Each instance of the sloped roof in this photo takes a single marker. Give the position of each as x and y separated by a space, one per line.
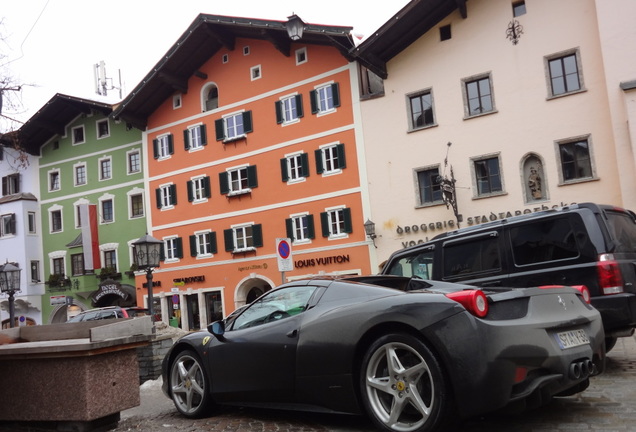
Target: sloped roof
52 118
404 28
204 37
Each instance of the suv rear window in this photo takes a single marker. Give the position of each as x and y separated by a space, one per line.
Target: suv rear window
543 241
419 264
470 257
623 230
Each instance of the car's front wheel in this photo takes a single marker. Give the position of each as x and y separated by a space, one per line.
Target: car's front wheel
189 385
403 387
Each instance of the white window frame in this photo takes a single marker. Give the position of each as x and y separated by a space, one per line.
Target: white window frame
327 154
99 167
195 136
76 205
590 149
32 223
295 174
478 77
287 110
240 232
201 244
76 167
299 54
97 123
333 216
170 251
10 217
128 164
102 200
60 254
109 247
133 193
198 189
476 193
177 101
53 209
296 218
163 146
323 98
226 127
166 197
73 129
256 72
56 172
242 174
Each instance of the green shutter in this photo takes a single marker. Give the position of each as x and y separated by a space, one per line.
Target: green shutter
324 222
219 127
155 148
319 165
213 247
313 101
162 252
206 187
304 160
278 107
224 182
299 106
228 235
247 122
289 228
193 246
190 194
257 235
173 193
170 144
311 230
335 92
158 195
283 169
179 243
340 151
186 139
348 226
204 137
252 180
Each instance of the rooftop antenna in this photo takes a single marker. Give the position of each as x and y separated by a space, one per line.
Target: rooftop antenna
102 82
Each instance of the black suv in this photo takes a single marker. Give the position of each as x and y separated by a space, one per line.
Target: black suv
107 312
582 244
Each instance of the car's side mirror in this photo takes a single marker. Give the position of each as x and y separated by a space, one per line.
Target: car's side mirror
217 328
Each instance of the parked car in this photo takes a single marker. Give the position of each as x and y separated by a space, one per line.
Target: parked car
585 244
413 355
99 314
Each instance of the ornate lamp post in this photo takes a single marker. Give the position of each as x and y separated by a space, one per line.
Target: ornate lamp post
9 284
369 229
295 27
147 252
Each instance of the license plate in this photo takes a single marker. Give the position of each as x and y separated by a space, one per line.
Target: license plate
572 338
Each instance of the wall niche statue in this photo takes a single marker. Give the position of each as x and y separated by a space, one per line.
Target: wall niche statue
535 185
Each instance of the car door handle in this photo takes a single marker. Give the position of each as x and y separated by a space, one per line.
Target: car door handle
292 334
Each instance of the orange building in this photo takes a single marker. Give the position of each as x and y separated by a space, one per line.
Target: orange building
250 137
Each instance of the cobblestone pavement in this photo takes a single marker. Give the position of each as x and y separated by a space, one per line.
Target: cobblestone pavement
608 405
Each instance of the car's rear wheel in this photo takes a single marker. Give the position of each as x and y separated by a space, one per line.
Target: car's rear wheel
403 387
190 386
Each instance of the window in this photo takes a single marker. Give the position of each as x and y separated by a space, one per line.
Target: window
576 161
212 97
54 180
330 159
225 58
77 264
103 129
58 266
176 101
295 168
289 109
199 189
487 176
173 248
237 181
478 97
134 162
203 244
77 135
246 50
518 8
80 175
32 223
35 271
563 73
466 259
136 205
194 137
543 241
166 196
300 228
107 211
105 169
421 109
325 99
255 72
163 146
7 225
243 238
234 126
11 184
56 220
429 186
445 32
110 259
301 56
336 222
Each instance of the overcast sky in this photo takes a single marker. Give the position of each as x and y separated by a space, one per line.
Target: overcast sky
51 46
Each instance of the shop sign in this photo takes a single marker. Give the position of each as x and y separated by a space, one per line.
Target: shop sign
57 300
188 280
106 289
313 262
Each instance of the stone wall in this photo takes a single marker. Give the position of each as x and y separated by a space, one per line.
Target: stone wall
151 356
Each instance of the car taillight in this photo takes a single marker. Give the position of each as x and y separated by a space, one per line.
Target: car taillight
585 292
609 274
474 301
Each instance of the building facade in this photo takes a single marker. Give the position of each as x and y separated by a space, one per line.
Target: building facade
253 139
491 109
92 205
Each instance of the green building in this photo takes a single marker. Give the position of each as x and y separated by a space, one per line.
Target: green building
86 158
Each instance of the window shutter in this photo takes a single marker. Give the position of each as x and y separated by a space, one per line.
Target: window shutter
224 182
5 185
313 101
213 247
179 246
228 235
252 180
190 193
186 139
247 122
289 228
155 148
342 161
324 222
257 235
12 227
311 230
193 246
219 127
158 195
206 187
173 194
335 91
304 160
319 165
278 107
283 170
162 252
348 226
170 144
299 106
204 137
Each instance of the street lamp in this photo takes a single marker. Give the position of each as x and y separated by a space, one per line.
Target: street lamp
295 27
369 229
9 284
146 252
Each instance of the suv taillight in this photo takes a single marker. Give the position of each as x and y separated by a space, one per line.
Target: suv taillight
609 274
474 301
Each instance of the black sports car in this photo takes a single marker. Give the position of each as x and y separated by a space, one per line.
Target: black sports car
413 355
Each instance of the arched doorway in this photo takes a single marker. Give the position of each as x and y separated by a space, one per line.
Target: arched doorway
250 288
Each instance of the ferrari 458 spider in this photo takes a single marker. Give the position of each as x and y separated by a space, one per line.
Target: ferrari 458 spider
413 355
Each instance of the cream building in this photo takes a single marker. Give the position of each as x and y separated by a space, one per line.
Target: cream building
528 105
